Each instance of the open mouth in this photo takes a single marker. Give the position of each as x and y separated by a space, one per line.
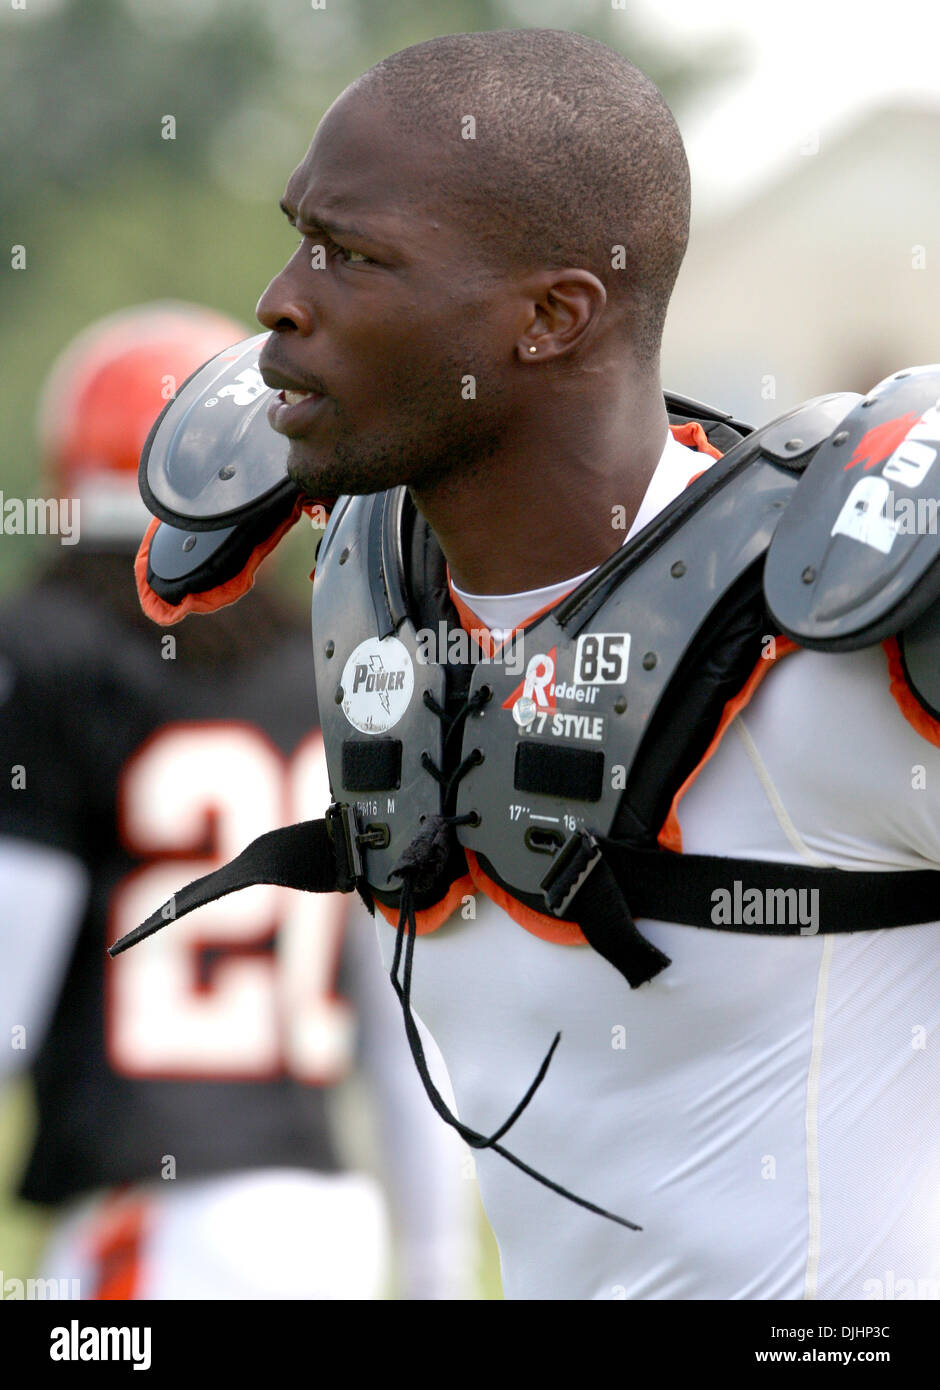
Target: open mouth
292 412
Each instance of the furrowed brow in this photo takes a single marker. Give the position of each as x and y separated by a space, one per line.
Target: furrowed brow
320 224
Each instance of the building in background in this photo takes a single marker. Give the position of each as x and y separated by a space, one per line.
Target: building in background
826 280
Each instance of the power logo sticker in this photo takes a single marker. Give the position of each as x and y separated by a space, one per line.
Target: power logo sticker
378 683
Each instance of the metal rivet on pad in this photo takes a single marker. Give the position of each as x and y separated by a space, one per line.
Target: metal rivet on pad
620 705
189 542
344 555
678 569
649 661
330 648
793 445
524 711
841 437
226 471
338 697
808 575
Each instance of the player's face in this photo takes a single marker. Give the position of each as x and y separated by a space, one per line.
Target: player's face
379 317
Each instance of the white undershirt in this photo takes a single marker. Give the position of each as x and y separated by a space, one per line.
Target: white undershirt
503 612
767 1108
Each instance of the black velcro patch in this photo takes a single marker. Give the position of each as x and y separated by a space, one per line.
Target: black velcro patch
372 767
557 771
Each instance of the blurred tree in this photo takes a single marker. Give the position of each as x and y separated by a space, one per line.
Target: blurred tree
112 212
86 90
88 87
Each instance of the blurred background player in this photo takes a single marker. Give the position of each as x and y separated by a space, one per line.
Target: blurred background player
187 1130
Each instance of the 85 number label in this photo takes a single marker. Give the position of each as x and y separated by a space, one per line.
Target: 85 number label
601 658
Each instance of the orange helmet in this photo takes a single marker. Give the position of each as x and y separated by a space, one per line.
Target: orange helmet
103 394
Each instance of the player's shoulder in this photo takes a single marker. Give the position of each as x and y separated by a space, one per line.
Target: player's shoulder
846 717
840 755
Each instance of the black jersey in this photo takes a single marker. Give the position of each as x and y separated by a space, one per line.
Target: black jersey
152 756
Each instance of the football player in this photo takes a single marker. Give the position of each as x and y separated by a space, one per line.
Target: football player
473 360
188 1138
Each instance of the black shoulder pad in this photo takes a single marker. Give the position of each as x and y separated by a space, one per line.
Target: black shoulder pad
212 458
182 562
920 653
856 556
721 429
176 557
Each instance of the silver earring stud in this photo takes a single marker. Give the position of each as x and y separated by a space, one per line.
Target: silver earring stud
533 348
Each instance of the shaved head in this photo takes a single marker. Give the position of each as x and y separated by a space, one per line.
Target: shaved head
572 158
490 228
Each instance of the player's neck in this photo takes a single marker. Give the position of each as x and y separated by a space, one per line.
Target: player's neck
553 502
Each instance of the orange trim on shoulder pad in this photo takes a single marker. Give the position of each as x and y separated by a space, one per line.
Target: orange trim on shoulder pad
209 600
430 918
481 634
693 436
908 703
670 837
554 929
154 607
316 509
471 623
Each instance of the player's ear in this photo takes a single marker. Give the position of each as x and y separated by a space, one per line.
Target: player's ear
566 306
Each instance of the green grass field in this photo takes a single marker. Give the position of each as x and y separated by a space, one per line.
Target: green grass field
23 1227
